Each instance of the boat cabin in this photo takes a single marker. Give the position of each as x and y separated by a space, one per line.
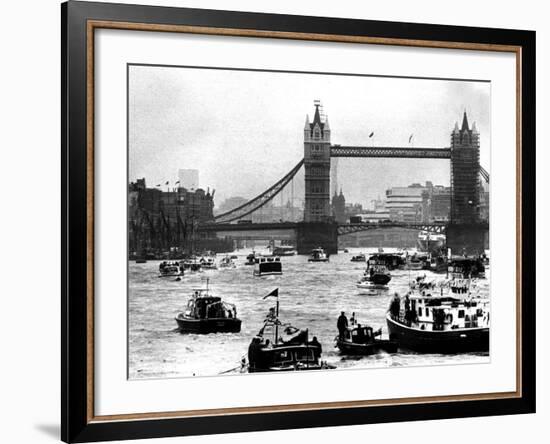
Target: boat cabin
268 266
359 334
441 313
204 306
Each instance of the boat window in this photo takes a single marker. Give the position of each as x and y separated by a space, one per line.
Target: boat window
460 313
427 311
419 311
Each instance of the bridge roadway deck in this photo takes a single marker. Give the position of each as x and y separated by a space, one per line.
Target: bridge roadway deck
386 151
342 228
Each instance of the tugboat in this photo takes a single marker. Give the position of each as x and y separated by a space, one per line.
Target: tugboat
279 355
359 258
363 340
208 314
450 322
170 269
318 255
268 266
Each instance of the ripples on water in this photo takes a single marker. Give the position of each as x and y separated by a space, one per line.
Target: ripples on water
311 295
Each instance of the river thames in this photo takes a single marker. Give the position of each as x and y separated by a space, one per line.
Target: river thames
311 296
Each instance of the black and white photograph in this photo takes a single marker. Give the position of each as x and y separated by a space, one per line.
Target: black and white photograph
297 221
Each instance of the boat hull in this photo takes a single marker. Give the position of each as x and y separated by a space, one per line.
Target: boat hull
383 345
451 341
212 325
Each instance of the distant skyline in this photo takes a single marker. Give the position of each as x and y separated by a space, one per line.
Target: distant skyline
243 130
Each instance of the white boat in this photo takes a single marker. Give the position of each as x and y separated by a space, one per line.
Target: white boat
170 269
284 250
268 266
208 263
369 288
227 262
318 255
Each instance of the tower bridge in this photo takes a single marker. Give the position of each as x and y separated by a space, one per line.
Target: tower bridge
464 231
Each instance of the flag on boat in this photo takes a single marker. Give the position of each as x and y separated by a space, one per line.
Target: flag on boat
274 293
371 134
411 137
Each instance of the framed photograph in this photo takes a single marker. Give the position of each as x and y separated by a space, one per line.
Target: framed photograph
275 221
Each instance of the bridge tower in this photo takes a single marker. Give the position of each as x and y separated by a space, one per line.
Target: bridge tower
318 228
317 168
465 233
465 173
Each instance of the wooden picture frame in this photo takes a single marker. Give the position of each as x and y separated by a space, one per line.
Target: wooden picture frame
79 22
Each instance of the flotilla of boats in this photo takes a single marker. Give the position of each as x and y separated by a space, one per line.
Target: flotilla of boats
436 315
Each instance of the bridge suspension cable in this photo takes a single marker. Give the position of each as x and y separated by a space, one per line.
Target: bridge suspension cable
260 200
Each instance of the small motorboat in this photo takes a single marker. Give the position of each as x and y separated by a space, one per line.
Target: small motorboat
296 353
318 255
369 288
268 266
284 250
363 340
251 259
208 263
417 262
191 264
170 269
141 261
359 258
227 262
376 273
468 267
205 313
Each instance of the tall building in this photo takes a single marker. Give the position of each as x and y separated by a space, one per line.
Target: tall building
317 168
465 173
334 185
405 204
339 207
189 179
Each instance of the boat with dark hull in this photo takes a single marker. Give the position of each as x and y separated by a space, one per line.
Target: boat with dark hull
205 313
296 353
359 258
251 259
446 341
376 274
444 318
269 266
468 267
363 340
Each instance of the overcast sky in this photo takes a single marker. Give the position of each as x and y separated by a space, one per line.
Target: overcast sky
243 130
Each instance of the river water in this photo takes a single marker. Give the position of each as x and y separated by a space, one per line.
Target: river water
311 295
